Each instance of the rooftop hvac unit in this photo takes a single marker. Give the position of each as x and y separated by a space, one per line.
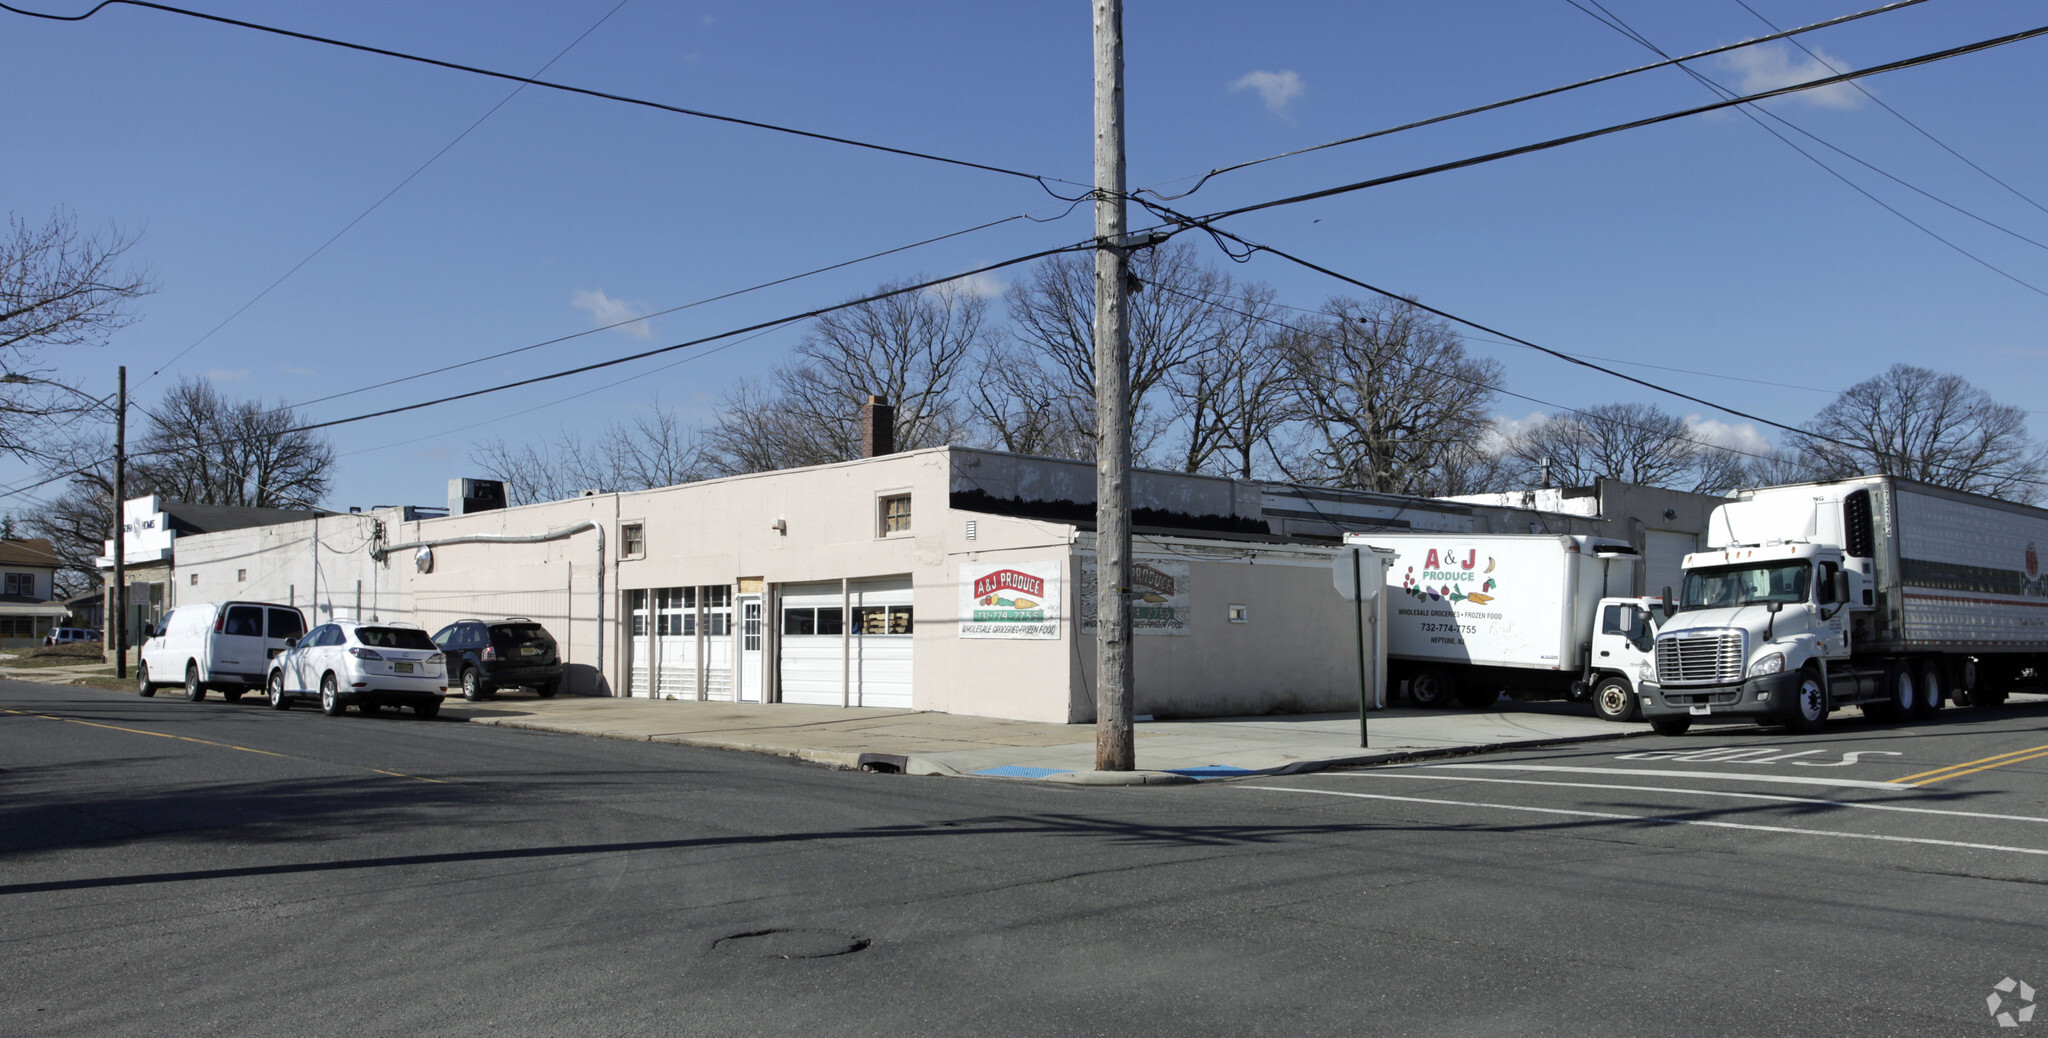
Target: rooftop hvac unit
475 495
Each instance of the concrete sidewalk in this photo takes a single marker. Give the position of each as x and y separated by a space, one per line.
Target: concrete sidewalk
923 743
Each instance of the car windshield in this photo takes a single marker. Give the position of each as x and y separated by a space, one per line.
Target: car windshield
394 638
1743 585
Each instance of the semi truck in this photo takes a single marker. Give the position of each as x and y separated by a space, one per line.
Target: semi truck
1876 592
1541 616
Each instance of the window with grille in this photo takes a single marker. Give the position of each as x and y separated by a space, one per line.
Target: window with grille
895 514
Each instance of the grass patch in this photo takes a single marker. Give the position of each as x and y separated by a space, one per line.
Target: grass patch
69 654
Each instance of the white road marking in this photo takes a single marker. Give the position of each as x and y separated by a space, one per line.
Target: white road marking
1778 798
1660 820
1796 780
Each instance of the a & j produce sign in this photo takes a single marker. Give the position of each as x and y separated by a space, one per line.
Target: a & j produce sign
1010 600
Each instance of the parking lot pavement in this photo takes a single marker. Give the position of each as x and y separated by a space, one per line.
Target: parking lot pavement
925 743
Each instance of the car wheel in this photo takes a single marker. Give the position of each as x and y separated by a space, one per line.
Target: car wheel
1928 702
142 686
426 711
330 697
1810 703
195 689
1614 700
472 685
547 689
1671 725
278 700
1432 689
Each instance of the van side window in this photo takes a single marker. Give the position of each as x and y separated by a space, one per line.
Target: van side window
286 623
244 620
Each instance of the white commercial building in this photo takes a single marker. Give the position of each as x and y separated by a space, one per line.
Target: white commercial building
946 579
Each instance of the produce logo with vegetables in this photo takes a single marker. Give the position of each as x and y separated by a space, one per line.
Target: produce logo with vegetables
2034 585
1452 575
1010 600
1151 587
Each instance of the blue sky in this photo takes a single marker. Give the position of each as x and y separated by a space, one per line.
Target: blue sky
1703 245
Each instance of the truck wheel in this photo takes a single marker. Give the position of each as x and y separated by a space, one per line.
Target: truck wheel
1432 689
1928 703
142 686
1905 694
1810 703
1614 700
195 689
1671 725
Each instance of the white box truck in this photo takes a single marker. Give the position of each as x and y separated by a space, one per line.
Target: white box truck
1543 616
1877 592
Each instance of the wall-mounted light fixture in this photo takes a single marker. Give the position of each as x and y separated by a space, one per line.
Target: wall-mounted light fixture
780 526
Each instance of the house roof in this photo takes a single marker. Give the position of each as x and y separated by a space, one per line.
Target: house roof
28 551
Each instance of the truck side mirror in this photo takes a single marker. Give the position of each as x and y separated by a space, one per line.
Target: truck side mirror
1841 587
1668 610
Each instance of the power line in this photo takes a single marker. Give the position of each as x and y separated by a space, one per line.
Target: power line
1433 120
1041 180
1752 113
1901 116
1558 142
502 102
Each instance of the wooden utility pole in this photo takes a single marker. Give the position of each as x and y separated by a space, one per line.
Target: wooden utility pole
1114 743
121 525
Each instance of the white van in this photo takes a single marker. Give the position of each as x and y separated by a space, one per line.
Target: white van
223 645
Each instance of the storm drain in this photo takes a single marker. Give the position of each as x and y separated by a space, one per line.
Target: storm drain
791 944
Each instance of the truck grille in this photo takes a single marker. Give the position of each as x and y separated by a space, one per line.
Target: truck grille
1707 658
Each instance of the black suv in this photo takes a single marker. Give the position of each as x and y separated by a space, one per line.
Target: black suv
487 655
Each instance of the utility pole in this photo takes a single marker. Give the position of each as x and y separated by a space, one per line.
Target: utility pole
1115 748
121 525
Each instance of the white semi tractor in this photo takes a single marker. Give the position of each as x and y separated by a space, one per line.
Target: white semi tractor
1876 592
1542 616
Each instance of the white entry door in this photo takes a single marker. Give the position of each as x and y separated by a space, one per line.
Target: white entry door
750 649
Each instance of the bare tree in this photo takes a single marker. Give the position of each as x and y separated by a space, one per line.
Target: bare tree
1177 314
1932 427
1233 397
203 448
1634 443
61 287
1385 398
913 349
653 449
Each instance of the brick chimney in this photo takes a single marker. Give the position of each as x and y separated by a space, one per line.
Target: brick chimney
877 428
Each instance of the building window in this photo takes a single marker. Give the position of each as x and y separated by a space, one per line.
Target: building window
881 619
632 540
822 620
21 584
195 580
241 575
895 514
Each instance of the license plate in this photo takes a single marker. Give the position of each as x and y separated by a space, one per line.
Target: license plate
529 650
1701 710
406 668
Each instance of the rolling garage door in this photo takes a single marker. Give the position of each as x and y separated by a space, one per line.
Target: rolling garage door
822 647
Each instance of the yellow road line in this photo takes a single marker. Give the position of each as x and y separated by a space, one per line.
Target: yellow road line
1957 769
206 742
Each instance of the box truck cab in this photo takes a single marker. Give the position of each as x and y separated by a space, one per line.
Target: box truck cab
1540 616
1877 592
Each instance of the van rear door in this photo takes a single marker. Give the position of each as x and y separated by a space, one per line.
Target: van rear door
238 647
285 624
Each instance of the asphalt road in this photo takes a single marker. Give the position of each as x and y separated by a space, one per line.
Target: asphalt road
169 868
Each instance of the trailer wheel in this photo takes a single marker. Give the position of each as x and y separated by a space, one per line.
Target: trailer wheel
1432 689
1810 705
1928 702
1614 700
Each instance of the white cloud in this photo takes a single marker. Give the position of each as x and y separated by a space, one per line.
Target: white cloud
1506 428
1743 437
1275 88
984 285
289 370
227 374
606 311
1773 65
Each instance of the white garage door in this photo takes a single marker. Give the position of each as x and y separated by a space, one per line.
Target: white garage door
1664 553
815 641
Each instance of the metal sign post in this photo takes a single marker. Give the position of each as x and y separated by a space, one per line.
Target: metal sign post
1348 574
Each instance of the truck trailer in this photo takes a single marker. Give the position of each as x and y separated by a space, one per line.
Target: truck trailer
1542 616
1877 592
